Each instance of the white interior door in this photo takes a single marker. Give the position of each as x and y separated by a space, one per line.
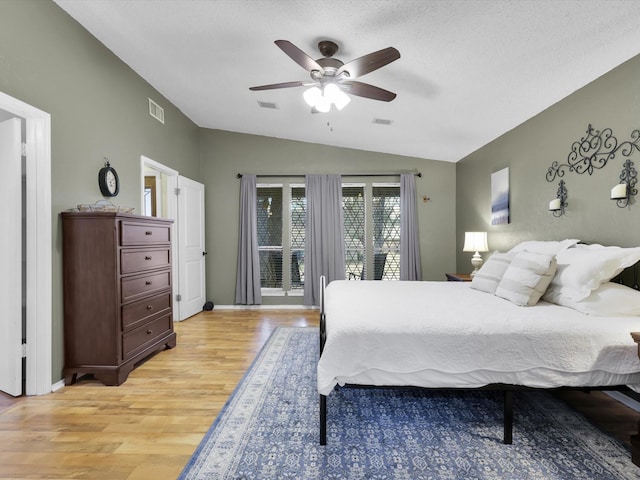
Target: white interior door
11 257
191 253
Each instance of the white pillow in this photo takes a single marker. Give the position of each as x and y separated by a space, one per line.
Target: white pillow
584 268
491 272
611 299
527 278
548 247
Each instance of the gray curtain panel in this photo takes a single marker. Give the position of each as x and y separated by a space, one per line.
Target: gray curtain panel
248 271
410 265
324 238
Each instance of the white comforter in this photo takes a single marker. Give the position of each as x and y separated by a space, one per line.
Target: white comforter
447 335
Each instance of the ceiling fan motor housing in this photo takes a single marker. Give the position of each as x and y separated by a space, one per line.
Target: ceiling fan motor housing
327 48
329 65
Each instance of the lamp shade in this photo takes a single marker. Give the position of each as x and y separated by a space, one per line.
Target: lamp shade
475 242
336 96
323 104
312 95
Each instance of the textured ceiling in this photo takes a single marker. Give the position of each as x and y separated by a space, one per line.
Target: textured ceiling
470 70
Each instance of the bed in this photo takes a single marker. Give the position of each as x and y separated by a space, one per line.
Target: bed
570 329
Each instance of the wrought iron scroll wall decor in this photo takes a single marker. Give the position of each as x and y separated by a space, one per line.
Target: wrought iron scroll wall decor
593 151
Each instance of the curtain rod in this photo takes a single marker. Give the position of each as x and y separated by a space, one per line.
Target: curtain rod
417 174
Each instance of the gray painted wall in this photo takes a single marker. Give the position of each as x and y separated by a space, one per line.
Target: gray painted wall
612 101
98 108
225 154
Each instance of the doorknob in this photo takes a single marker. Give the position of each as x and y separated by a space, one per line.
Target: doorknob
204 253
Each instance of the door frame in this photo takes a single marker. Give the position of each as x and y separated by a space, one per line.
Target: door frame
172 213
38 244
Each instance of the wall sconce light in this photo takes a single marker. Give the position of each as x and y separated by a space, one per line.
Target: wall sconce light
558 204
622 192
475 242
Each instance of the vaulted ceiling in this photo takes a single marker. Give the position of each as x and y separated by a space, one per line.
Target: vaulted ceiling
470 70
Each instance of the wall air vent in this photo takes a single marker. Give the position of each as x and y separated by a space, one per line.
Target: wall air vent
382 121
156 111
271 105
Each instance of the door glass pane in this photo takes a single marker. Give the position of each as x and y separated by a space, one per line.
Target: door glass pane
354 231
269 212
298 222
386 233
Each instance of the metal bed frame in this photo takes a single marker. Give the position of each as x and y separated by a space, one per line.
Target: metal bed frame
628 277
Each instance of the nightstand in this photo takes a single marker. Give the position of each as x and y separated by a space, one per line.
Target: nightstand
458 277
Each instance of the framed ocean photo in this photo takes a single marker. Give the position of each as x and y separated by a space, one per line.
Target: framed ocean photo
500 197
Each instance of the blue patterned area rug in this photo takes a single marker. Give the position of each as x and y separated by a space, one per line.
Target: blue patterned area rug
269 430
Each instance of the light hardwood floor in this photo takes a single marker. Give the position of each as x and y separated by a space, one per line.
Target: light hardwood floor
148 427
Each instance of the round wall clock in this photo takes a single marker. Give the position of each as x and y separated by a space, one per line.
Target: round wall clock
108 181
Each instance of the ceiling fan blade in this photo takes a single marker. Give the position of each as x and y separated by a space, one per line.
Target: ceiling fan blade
369 91
298 56
368 63
279 85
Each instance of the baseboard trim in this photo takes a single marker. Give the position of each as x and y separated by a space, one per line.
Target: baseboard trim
264 307
57 386
624 399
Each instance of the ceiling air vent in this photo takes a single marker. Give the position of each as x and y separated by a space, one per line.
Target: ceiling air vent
271 105
382 121
156 111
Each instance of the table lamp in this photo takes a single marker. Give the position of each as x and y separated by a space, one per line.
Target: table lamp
475 242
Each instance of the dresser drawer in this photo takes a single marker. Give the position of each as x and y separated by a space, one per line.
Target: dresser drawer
139 338
142 285
136 313
144 234
139 260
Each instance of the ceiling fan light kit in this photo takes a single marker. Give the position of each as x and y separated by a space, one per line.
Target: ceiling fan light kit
321 100
331 77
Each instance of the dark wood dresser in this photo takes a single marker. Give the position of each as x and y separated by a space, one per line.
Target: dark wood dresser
117 293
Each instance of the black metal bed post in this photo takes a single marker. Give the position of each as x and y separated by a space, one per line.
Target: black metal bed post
323 420
323 337
508 417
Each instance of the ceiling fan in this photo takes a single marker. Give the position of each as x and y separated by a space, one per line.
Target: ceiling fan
331 78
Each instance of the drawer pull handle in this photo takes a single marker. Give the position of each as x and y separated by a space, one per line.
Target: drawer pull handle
149 332
149 307
148 232
148 282
148 257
